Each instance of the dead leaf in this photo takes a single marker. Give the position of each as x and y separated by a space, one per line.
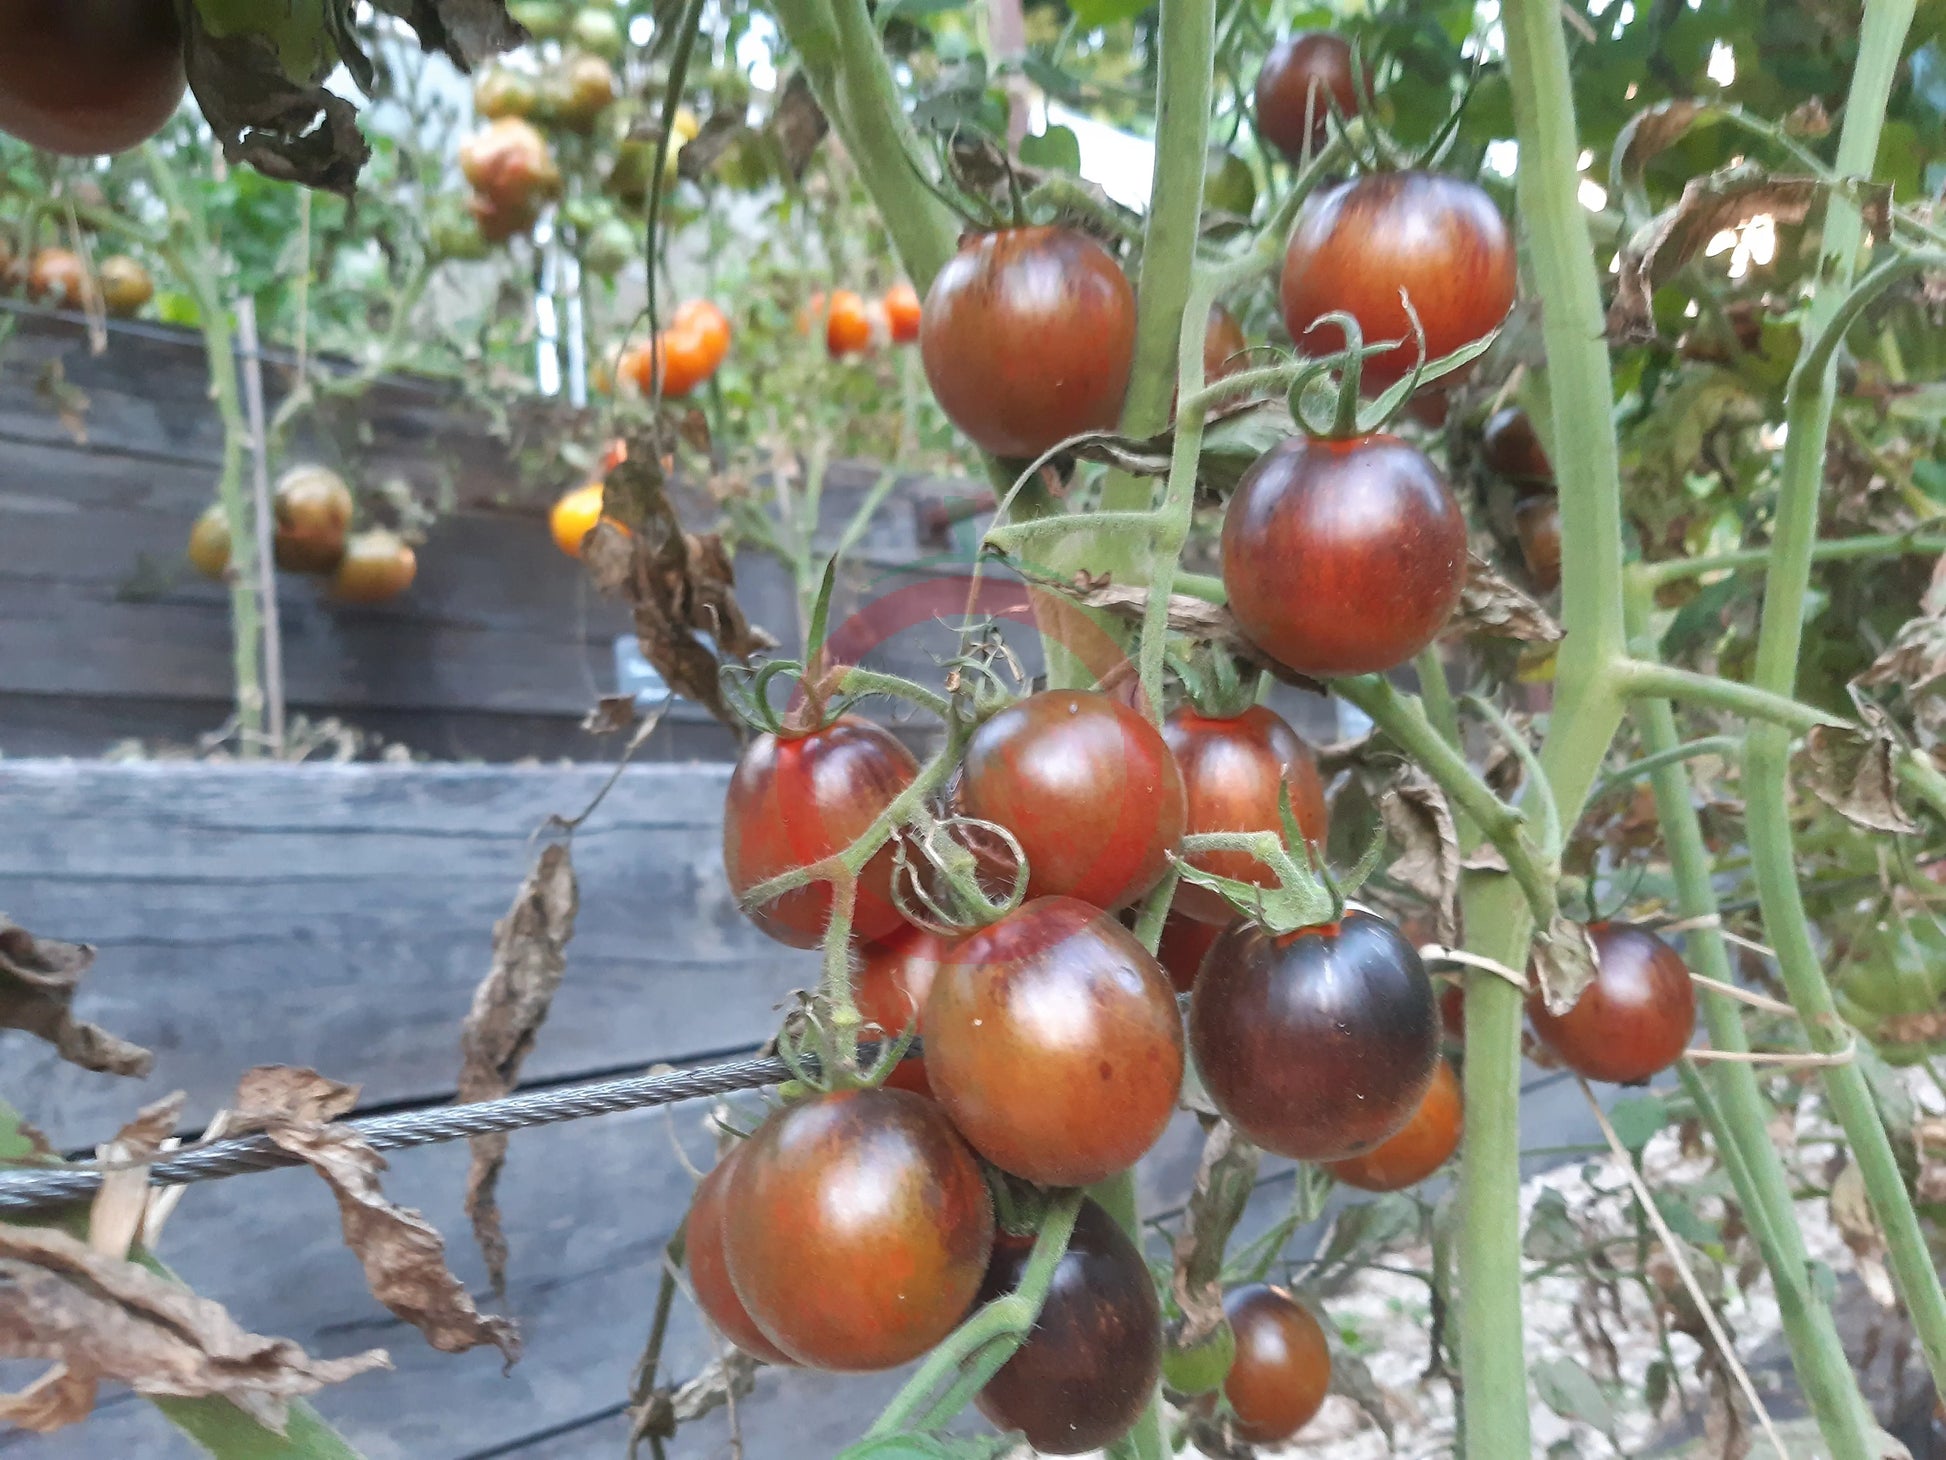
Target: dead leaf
38 981
466 32
122 1201
1649 133
1808 119
291 130
1485 858
1225 1177
1929 1145
798 123
1352 1378
104 1318
720 130
1564 963
723 1380
403 1256
1916 657
509 1007
1851 1213
1489 604
1722 200
611 715
1852 769
1420 824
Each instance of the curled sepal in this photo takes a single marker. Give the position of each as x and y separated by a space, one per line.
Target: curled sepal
1215 683
962 901
1307 893
810 1047
1423 372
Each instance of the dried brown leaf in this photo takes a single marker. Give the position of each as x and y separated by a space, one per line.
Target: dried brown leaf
403 1255
611 715
1225 1177
798 123
723 1380
1489 604
1709 205
1420 825
104 1318
509 1007
466 32
122 1201
38 980
294 131
1352 1378
1853 770
1808 119
1649 133
1851 1213
1916 657
1564 963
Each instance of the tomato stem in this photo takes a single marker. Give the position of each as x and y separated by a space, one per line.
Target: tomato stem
1673 570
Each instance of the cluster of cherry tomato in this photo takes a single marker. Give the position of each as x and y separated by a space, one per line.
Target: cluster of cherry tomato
685 353
58 277
855 325
312 535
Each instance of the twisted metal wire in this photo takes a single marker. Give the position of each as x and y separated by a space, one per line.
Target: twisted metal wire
29 1190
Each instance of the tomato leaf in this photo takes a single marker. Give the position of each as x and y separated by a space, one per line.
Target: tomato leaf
1056 148
1225 1177
1490 605
1636 1118
1098 13
1852 770
1571 1392
1552 1234
38 981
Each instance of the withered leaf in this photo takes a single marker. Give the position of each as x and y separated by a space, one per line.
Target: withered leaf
1852 769
104 1318
466 32
1225 1177
1648 134
1808 119
700 153
1489 604
1916 657
38 981
611 715
292 130
403 1255
798 123
122 1200
1352 1377
1420 825
721 1381
509 1007
1929 1145
1722 200
1564 963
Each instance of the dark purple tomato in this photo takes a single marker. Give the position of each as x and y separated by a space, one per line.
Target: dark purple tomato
859 1229
1343 557
1317 1044
709 1272
795 800
1282 1370
84 77
1302 78
1233 772
1053 1041
1358 243
1085 1374
1088 788
1537 520
1637 1017
1028 338
1512 448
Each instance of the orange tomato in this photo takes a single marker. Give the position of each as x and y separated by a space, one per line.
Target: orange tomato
59 278
848 327
711 324
575 516
902 312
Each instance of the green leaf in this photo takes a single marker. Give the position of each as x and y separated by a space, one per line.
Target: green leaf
1095 14
1370 1226
1571 1392
1638 1117
1552 1235
1686 1222
1057 147
930 1447
914 10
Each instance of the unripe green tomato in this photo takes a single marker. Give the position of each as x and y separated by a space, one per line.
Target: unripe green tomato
598 31
1228 184
546 20
452 234
1202 1367
610 248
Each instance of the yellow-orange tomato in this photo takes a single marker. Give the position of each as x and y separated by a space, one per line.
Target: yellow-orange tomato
575 516
1421 1148
702 318
847 326
902 313
209 542
680 356
125 285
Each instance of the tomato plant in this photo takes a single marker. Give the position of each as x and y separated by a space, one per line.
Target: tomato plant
1634 1020
1282 1369
870 1201
89 76
1052 1040
1086 1372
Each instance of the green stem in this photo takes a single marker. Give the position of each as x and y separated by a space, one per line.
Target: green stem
1117 1196
1731 1099
1808 407
1837 549
1676 754
1436 694
197 266
1642 679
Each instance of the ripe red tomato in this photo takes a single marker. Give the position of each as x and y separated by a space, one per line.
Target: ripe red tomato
85 77
377 565
58 279
1302 77
686 354
1086 1372
1537 520
795 800
1184 943
1634 1020
498 222
313 508
859 1229
1028 338
1358 243
1088 788
1426 1142
1282 1370
709 1270
902 312
894 977
847 327
1512 448
1232 774
1223 345
1343 557
510 165
1052 1039
1317 1044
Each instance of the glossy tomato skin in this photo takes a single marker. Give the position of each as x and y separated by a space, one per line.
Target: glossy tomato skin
377 565
1288 114
1426 1142
1223 345
1358 243
1317 1044
1282 1370
894 978
847 327
1634 1021
902 313
1537 520
1052 1039
125 285
1343 557
711 326
1087 1370
1028 338
709 1268
1233 772
860 1229
84 77
574 516
1088 788
1185 942
1512 448
797 800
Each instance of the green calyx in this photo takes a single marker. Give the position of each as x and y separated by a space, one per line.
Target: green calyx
1307 894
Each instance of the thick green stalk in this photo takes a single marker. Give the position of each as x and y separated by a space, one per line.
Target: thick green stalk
1808 406
1642 678
1733 1103
1586 714
1831 550
1117 1196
